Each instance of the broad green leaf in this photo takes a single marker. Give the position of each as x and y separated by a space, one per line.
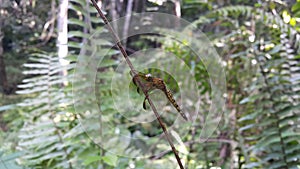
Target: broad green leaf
110 160
91 159
7 107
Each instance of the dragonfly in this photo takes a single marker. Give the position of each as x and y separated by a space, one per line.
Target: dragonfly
151 83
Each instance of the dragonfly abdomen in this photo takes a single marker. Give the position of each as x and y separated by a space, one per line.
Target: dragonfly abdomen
172 100
174 103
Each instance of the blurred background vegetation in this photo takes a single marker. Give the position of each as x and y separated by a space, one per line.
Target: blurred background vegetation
258 41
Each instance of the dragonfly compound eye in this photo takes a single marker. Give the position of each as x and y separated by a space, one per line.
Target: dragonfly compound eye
149 77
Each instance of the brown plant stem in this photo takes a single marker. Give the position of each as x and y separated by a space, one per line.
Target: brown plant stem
116 38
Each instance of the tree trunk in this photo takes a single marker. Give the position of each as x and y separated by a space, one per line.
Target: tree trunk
127 21
3 77
177 12
62 39
139 6
113 14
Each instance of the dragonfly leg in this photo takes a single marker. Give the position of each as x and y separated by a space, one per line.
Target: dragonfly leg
145 99
144 103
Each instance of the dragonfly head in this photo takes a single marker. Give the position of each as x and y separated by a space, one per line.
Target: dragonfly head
148 77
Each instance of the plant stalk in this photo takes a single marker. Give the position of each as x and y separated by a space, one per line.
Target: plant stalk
123 51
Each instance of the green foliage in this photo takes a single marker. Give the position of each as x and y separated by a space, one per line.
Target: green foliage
268 89
21 24
9 160
52 136
261 128
42 136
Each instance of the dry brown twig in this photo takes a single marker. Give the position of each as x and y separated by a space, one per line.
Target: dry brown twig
123 51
